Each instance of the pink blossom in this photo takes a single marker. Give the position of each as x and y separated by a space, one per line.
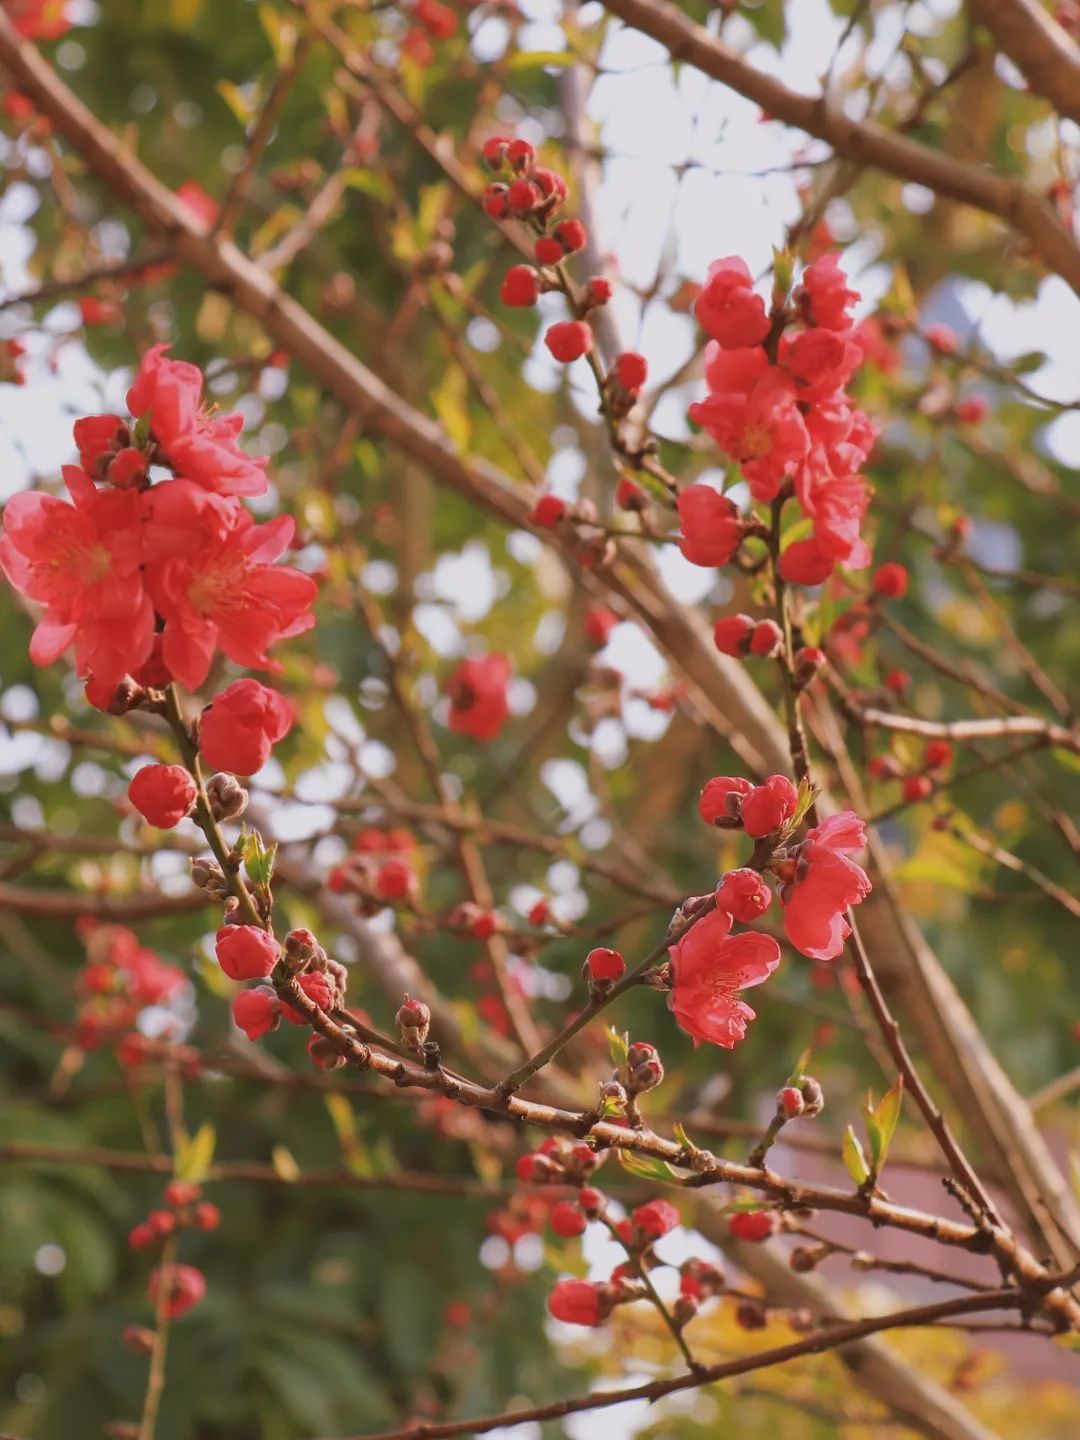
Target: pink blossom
708 968
827 881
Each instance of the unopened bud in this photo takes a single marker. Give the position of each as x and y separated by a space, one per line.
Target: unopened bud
612 1092
591 1201
790 1103
301 947
414 1021
208 875
750 1315
805 1258
227 798
644 1070
813 1096
323 1053
138 1339
684 1310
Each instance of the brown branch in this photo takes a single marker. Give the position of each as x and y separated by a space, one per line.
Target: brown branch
1039 48
864 142
71 904
818 1343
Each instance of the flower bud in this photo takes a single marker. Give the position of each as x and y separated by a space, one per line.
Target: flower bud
567 1220
805 1258
790 1103
602 968
813 1096
684 1310
414 1022
301 947
323 1053
226 797
207 874
750 1315
592 1201
179 1193
138 1339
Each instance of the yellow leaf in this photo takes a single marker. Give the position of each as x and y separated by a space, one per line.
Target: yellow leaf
194 1153
285 1166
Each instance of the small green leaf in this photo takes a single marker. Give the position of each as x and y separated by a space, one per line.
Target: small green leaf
258 860
540 59
884 1119
801 1067
644 1167
618 1048
194 1153
237 101
679 1131
854 1158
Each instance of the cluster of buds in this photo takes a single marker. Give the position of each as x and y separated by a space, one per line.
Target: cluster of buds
432 20
186 1210
247 953
533 195
805 1098
110 453
733 803
699 1280
380 871
740 636
558 1162
120 979
644 1069
916 785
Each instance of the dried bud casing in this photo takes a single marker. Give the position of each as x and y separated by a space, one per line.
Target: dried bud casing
226 797
414 1021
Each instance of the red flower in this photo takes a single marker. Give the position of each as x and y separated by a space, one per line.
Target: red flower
210 576
631 370
317 987
163 794
548 511
972 409
82 563
394 880
708 968
761 428
569 340
183 1286
715 804
768 806
890 581
38 19
604 964
827 882
767 638
239 727
576 1302
477 691
255 1012
567 1220
727 307
937 755
572 234
521 286
731 635
753 1225
548 250
826 294
599 623
822 361
203 206
199 446
245 952
805 563
656 1219
711 526
744 894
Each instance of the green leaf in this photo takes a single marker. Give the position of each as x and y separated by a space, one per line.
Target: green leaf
882 1122
801 1067
618 1048
195 1153
258 860
855 1158
644 1166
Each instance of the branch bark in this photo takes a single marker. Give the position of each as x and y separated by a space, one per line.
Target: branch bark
1039 48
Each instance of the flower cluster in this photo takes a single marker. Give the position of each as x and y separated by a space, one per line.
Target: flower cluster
120 979
247 952
39 19
777 406
149 581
